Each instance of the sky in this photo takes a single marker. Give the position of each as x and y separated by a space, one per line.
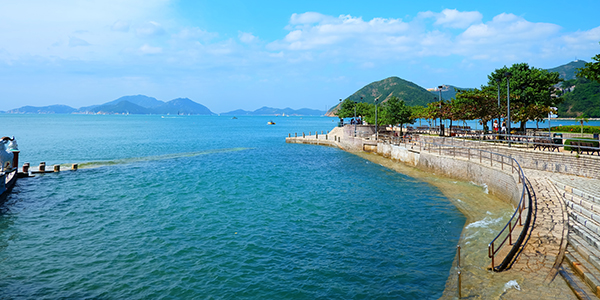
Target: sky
233 54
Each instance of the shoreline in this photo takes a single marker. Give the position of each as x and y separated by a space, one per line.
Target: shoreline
485 215
453 177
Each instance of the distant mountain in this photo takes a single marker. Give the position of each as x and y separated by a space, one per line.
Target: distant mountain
182 106
238 112
270 111
141 100
569 71
52 109
123 107
383 90
138 104
448 91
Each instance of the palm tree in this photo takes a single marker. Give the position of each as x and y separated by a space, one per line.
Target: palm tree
581 119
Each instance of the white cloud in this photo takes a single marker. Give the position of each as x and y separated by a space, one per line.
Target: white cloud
56 28
453 18
150 29
122 26
506 38
246 37
313 31
146 49
308 18
195 33
76 42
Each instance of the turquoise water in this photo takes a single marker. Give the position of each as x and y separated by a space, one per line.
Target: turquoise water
214 208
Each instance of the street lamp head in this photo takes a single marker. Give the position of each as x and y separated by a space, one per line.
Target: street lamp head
498 80
376 99
340 99
440 87
507 74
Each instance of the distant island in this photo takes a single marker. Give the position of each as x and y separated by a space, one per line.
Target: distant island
269 111
144 105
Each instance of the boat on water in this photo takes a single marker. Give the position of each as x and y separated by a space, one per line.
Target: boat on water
270 123
9 163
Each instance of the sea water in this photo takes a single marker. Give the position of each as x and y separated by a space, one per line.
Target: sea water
210 207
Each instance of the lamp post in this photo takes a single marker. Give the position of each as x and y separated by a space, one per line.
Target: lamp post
339 109
507 75
441 126
376 128
354 118
498 80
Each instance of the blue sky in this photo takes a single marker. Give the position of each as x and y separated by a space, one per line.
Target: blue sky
233 54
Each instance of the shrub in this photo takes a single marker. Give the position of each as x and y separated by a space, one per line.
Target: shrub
576 128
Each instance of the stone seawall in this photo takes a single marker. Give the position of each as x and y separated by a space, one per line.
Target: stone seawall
502 184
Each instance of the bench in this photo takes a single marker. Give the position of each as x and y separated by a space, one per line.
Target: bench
588 147
545 144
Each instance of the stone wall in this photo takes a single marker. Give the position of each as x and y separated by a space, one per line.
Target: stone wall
501 184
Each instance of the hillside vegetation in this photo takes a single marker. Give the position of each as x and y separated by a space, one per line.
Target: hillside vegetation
383 90
580 96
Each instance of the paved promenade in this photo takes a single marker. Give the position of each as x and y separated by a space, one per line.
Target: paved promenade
543 254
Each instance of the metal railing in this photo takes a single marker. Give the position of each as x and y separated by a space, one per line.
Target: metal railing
525 201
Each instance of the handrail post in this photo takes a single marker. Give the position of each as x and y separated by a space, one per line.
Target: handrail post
509 233
459 284
491 253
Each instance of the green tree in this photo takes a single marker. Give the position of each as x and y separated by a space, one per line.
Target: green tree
591 70
395 111
530 90
346 109
368 113
478 104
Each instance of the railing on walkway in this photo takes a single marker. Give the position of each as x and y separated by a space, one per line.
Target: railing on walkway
525 201
539 142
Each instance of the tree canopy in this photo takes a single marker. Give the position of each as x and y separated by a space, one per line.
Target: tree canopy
591 70
531 90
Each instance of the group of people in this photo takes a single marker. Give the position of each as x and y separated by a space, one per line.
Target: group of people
502 129
357 121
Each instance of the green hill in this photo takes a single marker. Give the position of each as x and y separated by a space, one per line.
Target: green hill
448 91
569 71
580 96
383 90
